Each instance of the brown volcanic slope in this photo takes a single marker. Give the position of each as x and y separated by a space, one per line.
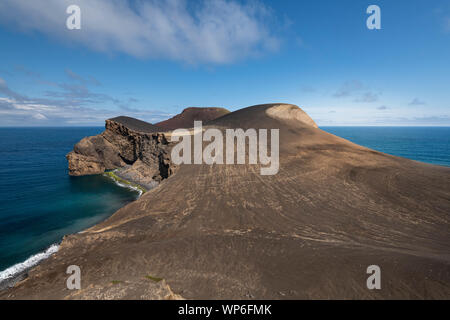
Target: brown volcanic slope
311 231
189 115
136 124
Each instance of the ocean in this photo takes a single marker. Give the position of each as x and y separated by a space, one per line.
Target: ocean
426 144
40 203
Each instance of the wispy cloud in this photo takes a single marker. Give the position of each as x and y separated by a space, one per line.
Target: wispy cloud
4 89
73 104
434 120
383 119
354 88
79 94
368 97
207 31
89 80
382 108
348 88
443 119
22 69
39 116
417 102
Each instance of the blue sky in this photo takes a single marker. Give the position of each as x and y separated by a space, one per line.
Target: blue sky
152 59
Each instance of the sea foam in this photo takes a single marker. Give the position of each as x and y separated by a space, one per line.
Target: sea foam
127 186
139 191
27 264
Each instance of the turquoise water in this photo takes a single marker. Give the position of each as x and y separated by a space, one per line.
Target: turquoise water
39 202
426 144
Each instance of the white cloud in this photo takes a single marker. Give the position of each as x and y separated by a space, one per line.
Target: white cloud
206 31
67 108
24 113
39 116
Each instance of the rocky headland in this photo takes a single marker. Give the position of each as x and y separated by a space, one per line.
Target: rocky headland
225 231
139 150
135 147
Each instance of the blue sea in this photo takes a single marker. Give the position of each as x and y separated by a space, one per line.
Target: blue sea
426 144
40 203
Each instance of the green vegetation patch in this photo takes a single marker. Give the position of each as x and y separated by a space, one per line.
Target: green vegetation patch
116 281
115 177
155 279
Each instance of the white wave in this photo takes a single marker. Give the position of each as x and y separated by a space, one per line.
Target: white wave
128 186
139 191
30 262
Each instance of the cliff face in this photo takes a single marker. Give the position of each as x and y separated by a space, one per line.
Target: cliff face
143 156
139 148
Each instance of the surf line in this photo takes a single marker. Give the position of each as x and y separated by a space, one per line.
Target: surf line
125 183
32 261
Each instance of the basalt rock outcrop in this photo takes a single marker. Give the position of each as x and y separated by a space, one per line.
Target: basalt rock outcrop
135 146
138 148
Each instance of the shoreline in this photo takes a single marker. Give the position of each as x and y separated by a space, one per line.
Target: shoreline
18 272
125 183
